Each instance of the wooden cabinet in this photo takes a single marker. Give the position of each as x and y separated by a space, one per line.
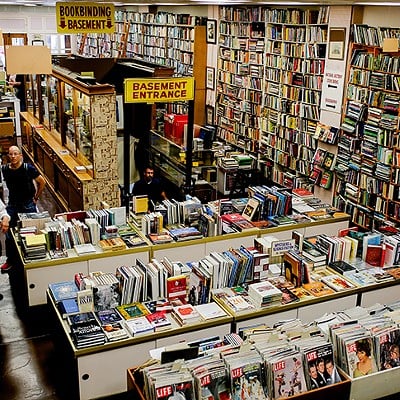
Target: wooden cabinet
69 132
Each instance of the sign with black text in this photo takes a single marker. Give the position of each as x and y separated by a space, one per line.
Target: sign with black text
82 17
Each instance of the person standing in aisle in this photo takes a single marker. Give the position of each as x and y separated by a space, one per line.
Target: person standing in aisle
18 83
150 186
25 185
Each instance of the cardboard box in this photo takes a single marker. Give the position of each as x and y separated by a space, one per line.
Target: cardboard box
6 128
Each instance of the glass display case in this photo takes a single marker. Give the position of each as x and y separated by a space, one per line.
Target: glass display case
171 160
53 123
77 137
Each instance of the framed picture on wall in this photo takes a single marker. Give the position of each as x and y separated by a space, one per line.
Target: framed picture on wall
337 37
209 115
211 31
210 78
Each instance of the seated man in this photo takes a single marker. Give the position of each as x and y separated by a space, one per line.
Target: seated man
150 186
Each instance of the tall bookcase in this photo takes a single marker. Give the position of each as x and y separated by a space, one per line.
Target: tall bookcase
296 42
368 163
269 80
239 76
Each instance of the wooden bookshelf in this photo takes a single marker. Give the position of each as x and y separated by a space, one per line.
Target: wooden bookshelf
239 76
367 170
296 42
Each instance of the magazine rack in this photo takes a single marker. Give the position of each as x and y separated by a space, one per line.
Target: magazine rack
336 391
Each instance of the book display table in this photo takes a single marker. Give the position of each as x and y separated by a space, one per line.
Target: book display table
101 370
38 274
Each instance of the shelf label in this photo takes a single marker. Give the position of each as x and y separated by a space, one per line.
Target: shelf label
153 90
85 17
280 247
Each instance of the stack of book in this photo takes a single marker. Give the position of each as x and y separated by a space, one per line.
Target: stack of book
34 246
186 314
86 330
112 324
264 294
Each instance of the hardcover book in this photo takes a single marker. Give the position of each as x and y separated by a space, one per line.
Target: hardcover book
159 320
132 310
63 290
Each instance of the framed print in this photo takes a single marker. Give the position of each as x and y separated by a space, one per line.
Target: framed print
337 37
209 115
212 31
210 78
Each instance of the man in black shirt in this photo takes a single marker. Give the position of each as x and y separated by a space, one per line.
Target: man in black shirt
150 186
24 184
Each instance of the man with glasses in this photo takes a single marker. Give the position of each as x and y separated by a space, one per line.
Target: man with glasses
25 185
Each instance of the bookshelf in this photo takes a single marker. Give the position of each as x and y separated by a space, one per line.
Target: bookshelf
176 41
296 42
367 169
269 80
239 76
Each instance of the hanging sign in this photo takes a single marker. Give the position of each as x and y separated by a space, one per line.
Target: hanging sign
81 17
154 90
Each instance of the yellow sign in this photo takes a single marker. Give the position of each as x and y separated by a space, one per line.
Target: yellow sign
153 90
85 17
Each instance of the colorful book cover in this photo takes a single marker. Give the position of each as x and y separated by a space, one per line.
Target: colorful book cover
132 310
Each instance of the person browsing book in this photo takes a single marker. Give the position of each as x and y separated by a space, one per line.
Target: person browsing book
24 184
150 186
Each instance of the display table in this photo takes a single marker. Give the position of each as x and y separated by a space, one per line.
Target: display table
95 381
101 370
39 274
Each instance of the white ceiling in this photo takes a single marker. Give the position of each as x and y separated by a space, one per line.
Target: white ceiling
122 3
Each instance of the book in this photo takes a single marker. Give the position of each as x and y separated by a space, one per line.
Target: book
186 314
63 290
159 321
251 208
318 289
337 282
85 300
132 310
375 254
108 316
210 311
68 307
372 238
139 326
177 287
342 267
114 331
35 240
326 179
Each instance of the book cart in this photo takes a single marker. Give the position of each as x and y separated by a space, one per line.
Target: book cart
38 274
